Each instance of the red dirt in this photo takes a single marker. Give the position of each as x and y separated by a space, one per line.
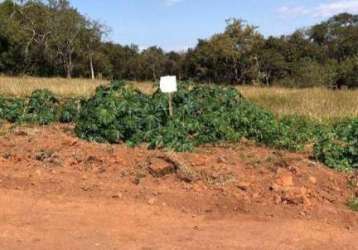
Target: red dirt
59 192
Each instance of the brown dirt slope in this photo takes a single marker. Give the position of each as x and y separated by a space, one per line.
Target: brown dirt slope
59 192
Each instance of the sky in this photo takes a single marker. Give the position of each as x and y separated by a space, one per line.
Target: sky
178 24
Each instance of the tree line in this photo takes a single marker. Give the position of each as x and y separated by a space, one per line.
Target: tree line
51 38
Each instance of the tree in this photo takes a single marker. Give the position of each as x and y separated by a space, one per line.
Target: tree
228 57
151 63
338 35
67 27
91 39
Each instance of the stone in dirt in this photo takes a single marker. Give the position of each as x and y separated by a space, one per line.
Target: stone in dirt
151 201
285 180
243 186
159 167
313 180
117 196
296 196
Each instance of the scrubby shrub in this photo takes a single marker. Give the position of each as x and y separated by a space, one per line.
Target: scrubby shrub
11 109
42 108
295 132
69 111
353 204
338 147
203 114
348 73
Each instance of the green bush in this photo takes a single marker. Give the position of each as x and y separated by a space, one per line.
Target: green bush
11 109
338 147
203 114
295 132
353 204
42 107
69 111
208 114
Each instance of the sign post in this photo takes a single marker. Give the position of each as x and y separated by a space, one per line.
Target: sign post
168 84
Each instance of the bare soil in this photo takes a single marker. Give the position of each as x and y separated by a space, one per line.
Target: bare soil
59 192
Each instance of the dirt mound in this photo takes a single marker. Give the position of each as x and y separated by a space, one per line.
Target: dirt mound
212 191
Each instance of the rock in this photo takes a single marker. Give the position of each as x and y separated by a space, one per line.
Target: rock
274 187
222 159
199 160
296 196
294 170
255 196
313 180
21 133
159 167
243 186
285 180
117 196
277 199
151 201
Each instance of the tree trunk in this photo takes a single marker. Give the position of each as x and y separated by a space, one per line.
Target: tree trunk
69 66
92 68
154 75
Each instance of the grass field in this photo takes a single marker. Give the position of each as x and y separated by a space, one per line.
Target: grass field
24 86
317 103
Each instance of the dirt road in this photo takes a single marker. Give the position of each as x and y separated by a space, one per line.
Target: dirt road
30 222
57 192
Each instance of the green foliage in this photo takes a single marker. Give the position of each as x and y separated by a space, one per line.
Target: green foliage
69 111
295 132
203 114
11 109
338 147
51 38
208 114
347 72
353 204
42 107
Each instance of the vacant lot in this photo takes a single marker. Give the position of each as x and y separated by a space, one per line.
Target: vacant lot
316 103
59 192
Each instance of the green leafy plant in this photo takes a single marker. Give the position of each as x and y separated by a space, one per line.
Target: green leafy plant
203 114
42 107
11 109
338 147
69 111
353 204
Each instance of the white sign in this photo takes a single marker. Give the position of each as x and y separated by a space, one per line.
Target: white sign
168 84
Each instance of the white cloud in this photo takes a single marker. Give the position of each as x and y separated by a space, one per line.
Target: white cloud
292 11
322 10
335 7
172 2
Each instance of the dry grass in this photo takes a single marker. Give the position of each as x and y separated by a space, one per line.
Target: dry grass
317 103
24 86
